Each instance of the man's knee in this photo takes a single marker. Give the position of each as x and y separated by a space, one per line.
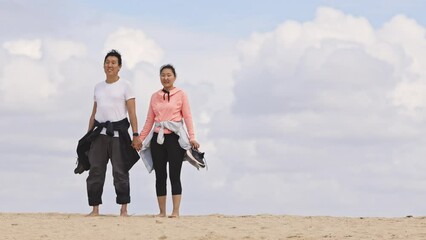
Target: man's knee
96 171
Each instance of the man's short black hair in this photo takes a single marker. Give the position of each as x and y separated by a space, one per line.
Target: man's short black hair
114 53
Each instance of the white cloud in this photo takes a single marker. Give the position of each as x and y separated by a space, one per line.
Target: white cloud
332 59
62 50
410 95
25 84
135 46
333 100
32 82
407 38
24 47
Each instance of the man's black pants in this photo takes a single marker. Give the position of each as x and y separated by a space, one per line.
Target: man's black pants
102 149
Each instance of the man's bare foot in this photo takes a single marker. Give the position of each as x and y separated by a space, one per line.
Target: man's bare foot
123 211
160 215
94 212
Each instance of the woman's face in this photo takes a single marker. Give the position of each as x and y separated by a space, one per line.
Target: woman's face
167 78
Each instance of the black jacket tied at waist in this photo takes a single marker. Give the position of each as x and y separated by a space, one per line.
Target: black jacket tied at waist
128 153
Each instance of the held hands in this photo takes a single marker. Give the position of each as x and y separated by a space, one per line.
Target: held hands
194 144
137 143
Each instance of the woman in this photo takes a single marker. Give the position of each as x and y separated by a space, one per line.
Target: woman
168 109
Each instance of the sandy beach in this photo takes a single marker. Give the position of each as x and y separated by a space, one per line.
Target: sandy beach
77 226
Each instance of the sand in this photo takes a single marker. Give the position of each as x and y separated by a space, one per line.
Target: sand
76 226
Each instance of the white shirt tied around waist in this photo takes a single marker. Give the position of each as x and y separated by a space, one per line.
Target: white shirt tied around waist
176 127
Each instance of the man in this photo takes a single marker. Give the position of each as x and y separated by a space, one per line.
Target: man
108 135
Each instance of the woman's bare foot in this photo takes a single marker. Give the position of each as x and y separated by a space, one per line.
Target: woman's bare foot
174 215
176 205
162 206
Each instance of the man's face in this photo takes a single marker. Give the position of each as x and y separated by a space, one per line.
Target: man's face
111 66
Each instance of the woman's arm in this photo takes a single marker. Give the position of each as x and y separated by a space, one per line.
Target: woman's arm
187 117
149 122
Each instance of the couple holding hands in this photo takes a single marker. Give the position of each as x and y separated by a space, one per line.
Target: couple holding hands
163 138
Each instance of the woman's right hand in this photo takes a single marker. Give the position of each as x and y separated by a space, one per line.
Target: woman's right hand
194 144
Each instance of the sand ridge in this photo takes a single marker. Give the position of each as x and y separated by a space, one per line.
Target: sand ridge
64 226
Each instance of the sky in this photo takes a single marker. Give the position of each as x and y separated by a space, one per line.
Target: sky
301 107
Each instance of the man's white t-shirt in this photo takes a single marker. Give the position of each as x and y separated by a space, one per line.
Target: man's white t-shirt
111 100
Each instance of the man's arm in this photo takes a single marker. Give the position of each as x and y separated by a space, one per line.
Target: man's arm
131 108
92 118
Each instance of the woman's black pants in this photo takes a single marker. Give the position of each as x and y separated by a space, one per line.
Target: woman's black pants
171 152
